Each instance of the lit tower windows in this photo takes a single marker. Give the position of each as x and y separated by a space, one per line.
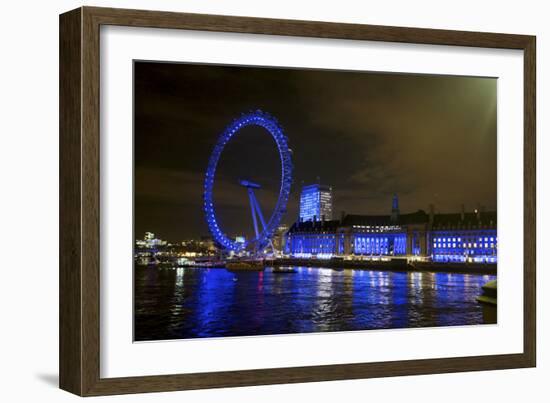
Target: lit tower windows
316 203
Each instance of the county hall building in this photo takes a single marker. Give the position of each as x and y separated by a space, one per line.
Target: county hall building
453 237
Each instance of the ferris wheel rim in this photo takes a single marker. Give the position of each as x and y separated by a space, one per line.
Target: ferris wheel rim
271 125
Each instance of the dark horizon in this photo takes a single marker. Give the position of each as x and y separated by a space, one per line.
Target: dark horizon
428 139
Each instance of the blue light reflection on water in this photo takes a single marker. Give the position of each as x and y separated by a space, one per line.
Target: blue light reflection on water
184 303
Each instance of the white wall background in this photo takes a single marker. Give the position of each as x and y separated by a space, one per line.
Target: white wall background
29 198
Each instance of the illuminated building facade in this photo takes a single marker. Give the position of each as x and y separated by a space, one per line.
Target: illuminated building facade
150 241
450 238
316 203
464 237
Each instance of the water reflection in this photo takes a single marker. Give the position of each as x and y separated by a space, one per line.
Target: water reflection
190 303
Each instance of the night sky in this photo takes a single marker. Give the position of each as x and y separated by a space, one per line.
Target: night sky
429 139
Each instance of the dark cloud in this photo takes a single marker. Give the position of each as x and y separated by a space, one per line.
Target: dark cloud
430 139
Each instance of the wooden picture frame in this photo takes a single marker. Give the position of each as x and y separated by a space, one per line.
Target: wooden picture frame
79 346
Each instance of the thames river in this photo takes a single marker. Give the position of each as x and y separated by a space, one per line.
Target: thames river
181 303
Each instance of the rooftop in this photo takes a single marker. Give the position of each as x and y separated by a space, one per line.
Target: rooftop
441 221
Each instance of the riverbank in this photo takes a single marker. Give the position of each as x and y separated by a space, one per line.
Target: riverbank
395 265
400 265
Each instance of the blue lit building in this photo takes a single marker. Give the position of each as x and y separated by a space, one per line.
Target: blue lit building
464 237
453 238
316 203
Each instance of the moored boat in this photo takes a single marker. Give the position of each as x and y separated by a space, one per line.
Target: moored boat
245 265
488 301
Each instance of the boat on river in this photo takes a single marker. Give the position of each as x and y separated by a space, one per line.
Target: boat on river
208 262
488 301
209 265
245 265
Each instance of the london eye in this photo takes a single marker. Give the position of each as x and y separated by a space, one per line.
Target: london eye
264 229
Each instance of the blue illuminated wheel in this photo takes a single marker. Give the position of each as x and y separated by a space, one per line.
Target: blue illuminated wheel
270 124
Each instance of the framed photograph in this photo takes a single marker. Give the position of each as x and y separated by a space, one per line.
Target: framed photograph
249 201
